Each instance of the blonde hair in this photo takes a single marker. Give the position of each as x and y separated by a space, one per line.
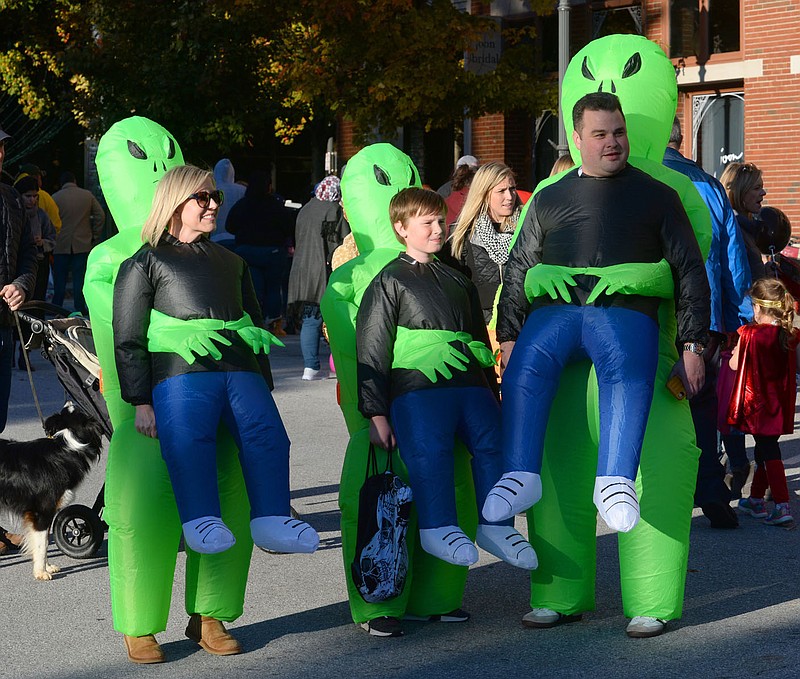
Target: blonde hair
562 163
173 189
774 300
483 183
738 179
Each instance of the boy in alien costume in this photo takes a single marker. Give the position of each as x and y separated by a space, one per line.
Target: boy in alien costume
653 556
433 588
144 528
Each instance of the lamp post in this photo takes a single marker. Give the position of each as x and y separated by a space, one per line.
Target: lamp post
563 60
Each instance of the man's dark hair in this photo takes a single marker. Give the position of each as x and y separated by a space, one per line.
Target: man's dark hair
67 177
594 101
676 136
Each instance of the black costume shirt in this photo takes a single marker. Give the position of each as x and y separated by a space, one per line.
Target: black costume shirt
186 281
414 295
601 221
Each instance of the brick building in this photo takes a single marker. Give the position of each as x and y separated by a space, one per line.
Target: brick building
738 69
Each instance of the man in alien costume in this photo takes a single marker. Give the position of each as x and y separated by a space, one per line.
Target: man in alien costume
433 589
144 527
562 525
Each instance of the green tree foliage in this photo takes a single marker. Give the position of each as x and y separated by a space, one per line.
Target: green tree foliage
233 71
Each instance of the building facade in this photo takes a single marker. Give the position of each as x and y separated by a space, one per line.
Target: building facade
738 69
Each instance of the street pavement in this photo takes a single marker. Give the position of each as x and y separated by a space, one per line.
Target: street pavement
741 614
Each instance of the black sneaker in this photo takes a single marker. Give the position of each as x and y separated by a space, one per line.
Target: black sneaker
721 515
458 615
383 627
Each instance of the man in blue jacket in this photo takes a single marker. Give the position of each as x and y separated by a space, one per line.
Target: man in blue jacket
729 280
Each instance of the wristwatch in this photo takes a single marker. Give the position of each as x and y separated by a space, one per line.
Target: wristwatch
694 347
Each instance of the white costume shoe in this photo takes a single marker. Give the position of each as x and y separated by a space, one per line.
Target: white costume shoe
616 501
507 544
208 535
449 543
513 493
284 534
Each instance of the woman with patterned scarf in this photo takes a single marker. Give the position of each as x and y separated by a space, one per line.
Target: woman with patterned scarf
483 232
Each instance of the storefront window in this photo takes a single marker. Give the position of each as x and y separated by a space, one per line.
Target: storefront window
718 130
607 20
700 28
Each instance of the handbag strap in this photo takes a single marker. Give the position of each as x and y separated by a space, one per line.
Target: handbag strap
389 461
372 462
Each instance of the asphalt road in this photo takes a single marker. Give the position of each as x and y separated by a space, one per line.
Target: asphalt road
741 616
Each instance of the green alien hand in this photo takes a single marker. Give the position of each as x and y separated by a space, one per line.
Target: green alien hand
548 279
259 339
648 280
189 345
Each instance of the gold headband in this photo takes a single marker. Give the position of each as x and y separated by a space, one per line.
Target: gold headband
768 303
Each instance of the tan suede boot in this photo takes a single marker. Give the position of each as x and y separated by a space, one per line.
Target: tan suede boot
143 650
211 634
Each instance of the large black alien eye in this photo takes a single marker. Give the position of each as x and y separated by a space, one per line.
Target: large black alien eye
171 149
413 180
633 66
380 176
136 151
585 69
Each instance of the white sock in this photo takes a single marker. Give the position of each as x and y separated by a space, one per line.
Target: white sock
616 501
284 534
449 543
208 535
513 493
507 544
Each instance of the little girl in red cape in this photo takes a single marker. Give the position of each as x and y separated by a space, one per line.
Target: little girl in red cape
763 398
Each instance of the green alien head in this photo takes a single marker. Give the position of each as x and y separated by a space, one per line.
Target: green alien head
371 178
131 158
640 74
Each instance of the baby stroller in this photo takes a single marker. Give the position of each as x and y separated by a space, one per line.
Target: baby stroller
67 343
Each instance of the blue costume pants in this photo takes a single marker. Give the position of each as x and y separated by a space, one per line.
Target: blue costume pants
622 344
426 423
188 410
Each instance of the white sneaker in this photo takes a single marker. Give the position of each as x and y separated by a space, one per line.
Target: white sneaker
311 374
644 626
543 618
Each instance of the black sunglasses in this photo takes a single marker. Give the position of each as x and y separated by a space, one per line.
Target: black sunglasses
204 198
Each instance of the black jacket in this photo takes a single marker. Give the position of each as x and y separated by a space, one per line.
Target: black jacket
592 221
413 295
185 281
18 253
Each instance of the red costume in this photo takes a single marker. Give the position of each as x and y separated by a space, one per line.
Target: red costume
764 392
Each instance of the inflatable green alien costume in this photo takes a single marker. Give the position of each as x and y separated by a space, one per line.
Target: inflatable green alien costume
653 556
144 528
433 587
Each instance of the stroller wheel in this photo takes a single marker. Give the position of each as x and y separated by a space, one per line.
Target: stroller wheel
78 532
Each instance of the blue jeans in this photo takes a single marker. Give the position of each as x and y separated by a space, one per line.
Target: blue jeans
267 267
6 365
188 411
622 344
62 264
310 334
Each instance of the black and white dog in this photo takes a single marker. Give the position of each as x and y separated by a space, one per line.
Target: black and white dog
37 477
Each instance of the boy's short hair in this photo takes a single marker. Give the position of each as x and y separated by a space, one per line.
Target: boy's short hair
415 201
